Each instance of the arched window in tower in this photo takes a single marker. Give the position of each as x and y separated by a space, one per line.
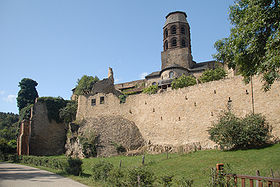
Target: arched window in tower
183 31
173 29
171 74
165 45
174 42
165 33
183 43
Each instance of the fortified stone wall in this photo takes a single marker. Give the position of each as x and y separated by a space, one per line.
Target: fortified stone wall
182 117
47 137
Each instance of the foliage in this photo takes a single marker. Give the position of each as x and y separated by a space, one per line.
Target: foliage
68 113
151 89
85 84
89 142
8 132
54 104
166 180
73 166
232 132
122 98
117 177
184 182
213 75
100 170
141 175
253 46
69 165
25 113
183 81
27 93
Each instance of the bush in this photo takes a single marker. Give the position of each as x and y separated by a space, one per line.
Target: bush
74 166
183 81
166 180
184 182
151 89
100 170
212 75
141 174
117 177
232 132
69 165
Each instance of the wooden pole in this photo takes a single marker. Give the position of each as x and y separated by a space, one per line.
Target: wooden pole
252 90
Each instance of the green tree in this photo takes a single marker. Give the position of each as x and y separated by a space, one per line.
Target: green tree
27 93
183 81
213 75
253 46
232 132
85 84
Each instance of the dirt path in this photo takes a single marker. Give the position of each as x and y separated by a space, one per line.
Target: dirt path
13 175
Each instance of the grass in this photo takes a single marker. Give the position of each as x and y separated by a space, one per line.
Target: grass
194 165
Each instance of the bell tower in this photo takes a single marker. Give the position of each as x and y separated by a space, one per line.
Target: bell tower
176 41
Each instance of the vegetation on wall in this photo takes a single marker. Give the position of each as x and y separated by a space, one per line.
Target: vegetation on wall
253 46
85 85
122 98
183 81
213 75
68 113
27 93
54 104
231 132
151 89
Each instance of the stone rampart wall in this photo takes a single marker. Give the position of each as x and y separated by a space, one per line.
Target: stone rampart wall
181 117
47 137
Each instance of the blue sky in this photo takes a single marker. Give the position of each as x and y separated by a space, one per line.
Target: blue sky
55 42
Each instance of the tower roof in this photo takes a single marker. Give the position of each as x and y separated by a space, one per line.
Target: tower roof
177 16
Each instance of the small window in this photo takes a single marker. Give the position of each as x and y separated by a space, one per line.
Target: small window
165 45
93 102
183 31
173 30
183 44
171 74
166 33
174 42
102 100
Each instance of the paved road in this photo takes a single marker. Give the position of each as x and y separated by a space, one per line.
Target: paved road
14 175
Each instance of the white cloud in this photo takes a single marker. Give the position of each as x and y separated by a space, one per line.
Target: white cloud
10 98
117 80
143 75
2 92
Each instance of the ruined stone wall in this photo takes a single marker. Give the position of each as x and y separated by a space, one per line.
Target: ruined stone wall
47 137
181 117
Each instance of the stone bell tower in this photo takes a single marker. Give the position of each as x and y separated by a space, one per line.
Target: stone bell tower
176 41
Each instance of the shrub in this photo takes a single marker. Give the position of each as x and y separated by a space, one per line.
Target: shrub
140 175
85 84
117 177
232 132
100 170
184 182
122 98
212 75
70 166
89 142
73 166
68 113
166 180
183 81
151 89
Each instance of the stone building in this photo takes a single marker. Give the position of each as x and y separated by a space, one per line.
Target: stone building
176 57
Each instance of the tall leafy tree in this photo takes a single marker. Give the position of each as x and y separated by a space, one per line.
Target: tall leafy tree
253 46
85 84
27 93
